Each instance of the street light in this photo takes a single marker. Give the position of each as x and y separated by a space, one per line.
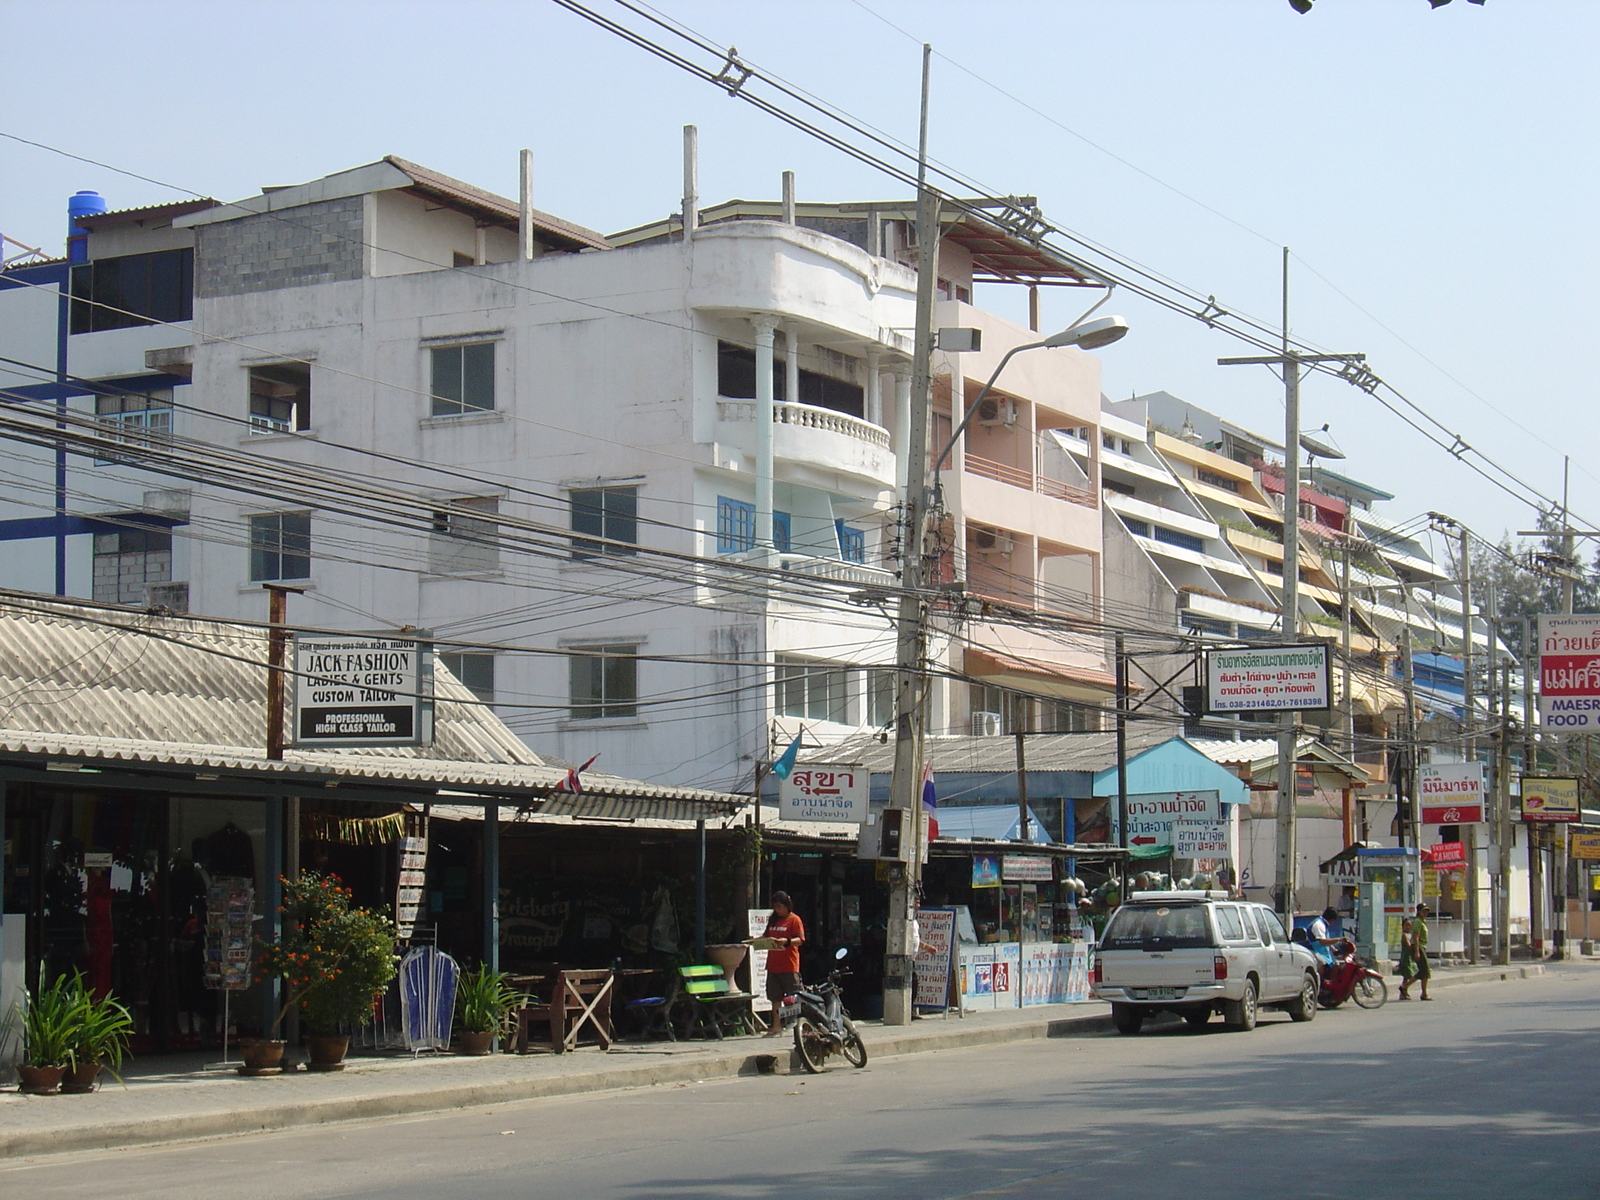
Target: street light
1086 335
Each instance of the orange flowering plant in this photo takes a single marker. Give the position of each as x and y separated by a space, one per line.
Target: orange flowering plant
332 956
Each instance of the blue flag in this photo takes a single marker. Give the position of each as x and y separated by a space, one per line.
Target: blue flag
785 764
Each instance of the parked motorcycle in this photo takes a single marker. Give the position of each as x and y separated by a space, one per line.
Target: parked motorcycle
823 1027
1348 979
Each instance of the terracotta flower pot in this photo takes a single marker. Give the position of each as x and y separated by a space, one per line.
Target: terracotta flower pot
262 1056
327 1051
476 1042
40 1081
81 1079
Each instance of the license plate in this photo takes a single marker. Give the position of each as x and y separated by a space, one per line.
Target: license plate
1163 993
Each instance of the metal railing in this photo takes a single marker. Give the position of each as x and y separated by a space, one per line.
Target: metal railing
1018 477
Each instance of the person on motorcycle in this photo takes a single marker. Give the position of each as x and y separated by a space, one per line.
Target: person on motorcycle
1321 938
785 928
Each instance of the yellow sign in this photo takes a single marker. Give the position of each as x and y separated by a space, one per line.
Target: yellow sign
1430 884
1550 798
1584 843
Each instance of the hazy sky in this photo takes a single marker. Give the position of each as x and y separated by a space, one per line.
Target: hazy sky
1437 167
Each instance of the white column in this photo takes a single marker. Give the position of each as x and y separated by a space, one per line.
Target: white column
902 427
791 366
788 198
765 326
691 181
525 207
874 405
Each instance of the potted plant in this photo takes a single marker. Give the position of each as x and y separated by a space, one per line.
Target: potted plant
99 1039
49 1017
333 958
485 1001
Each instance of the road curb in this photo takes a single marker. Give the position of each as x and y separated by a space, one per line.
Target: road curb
303 1112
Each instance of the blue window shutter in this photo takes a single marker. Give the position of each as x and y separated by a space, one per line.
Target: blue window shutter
780 532
736 525
852 542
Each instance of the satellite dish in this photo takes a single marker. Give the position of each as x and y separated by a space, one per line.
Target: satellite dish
1319 447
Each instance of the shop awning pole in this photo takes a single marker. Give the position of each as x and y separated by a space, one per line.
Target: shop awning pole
491 885
700 891
272 898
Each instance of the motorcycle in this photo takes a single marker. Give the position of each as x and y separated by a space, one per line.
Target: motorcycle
1348 979
823 1026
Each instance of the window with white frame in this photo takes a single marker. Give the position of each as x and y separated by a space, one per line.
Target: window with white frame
127 561
604 512
818 691
280 546
881 685
604 681
280 398
134 417
463 379
465 542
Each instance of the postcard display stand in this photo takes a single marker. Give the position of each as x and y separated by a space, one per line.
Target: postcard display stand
230 919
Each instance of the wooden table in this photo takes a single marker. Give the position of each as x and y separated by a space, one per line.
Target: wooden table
573 1001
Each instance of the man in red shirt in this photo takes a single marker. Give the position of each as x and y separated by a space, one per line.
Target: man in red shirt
783 960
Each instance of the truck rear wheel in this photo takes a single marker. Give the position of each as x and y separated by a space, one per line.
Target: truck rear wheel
1240 1014
1128 1019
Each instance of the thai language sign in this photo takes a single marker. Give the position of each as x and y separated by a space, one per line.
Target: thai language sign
1569 671
1152 816
1202 839
824 793
1445 856
1267 679
936 957
1451 793
1549 798
362 690
1026 868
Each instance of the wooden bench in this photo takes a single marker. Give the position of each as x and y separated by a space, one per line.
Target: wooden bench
575 1001
709 1004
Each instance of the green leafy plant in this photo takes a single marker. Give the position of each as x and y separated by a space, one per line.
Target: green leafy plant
102 1033
50 1019
485 1000
332 957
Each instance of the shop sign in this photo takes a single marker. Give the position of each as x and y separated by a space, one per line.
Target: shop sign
362 690
1446 856
935 960
756 922
825 793
1343 872
1452 793
1151 816
985 870
1549 798
1583 843
408 889
1026 868
1202 839
1569 672
1267 679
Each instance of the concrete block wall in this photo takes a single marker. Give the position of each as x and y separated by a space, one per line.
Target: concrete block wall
314 243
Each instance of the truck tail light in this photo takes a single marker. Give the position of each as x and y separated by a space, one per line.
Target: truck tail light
1095 973
1219 967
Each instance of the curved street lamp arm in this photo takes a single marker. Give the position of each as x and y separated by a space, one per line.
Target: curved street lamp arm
972 408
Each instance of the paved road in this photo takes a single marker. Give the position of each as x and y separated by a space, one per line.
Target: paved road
1489 1091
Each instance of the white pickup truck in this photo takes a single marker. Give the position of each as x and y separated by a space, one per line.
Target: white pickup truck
1196 953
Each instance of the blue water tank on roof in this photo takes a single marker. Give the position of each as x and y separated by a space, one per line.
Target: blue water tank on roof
86 204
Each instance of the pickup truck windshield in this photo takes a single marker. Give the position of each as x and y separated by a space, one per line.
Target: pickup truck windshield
1158 927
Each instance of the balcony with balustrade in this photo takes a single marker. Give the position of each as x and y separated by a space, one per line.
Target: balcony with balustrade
810 436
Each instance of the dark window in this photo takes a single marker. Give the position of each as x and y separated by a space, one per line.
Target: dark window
136 289
280 546
604 681
474 670
1117 486
612 513
825 392
1167 927
736 525
463 379
736 380
1140 528
280 398
1186 540
1217 481
782 535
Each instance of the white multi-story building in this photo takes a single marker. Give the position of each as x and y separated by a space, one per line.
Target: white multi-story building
590 466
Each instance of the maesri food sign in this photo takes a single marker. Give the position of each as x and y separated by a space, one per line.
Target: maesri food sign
1569 671
360 690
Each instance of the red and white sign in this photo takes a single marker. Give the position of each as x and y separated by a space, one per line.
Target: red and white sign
1446 856
1452 793
1569 671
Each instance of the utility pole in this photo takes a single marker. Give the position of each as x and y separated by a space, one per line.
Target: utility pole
1502 883
911 700
1469 745
1289 362
1408 771
1122 758
1536 898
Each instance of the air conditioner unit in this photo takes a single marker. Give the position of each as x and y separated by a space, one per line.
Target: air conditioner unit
997 412
985 724
989 541
173 596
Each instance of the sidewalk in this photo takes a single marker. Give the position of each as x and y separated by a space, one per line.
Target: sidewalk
175 1099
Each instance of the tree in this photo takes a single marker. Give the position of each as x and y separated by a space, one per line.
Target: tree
1522 579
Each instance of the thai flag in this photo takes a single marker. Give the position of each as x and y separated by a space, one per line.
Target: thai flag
572 783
